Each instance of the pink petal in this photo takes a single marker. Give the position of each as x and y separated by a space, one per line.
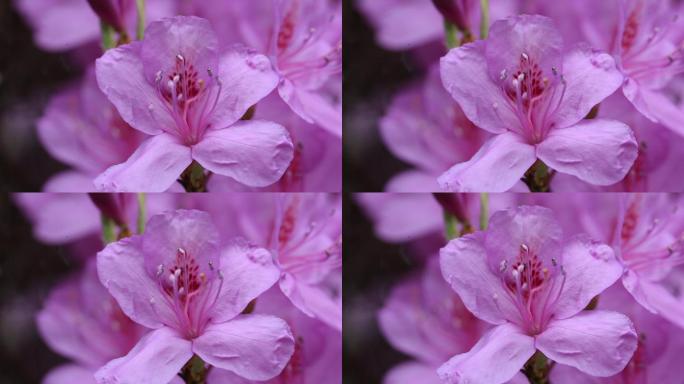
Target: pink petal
70 181
313 301
153 167
400 217
464 266
121 269
412 372
70 374
191 37
655 106
496 358
598 151
496 167
599 343
405 24
157 358
312 107
534 35
412 181
248 272
590 77
247 77
655 298
255 347
120 76
464 75
190 230
590 267
254 153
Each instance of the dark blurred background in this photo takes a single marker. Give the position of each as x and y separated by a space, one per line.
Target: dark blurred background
28 76
372 76
28 271
371 268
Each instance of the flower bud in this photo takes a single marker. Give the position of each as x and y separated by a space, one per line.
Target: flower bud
110 11
454 11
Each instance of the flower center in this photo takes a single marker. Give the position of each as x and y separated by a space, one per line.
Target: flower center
528 96
530 286
631 29
188 292
189 99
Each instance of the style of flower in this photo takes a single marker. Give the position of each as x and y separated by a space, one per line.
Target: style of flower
180 281
521 86
178 87
522 276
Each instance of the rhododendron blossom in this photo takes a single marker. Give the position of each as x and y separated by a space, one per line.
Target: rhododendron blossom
522 86
524 277
181 281
177 86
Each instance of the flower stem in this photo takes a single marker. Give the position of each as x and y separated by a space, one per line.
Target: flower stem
108 232
537 369
140 29
484 20
538 177
194 178
107 36
484 210
451 35
450 226
142 213
195 371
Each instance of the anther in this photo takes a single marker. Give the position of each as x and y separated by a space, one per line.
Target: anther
180 57
160 270
503 74
502 266
524 56
524 248
211 265
554 70
158 77
554 262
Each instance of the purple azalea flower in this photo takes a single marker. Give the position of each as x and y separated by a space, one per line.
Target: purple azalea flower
648 239
426 128
80 127
522 276
179 280
423 318
522 87
176 86
81 321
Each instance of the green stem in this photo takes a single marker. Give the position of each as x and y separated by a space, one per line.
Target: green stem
484 20
538 177
194 178
195 371
484 211
450 226
142 213
140 30
108 230
107 36
451 35
537 369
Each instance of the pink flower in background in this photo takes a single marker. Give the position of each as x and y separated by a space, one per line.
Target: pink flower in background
426 128
182 282
521 86
648 237
81 128
178 87
317 357
81 321
424 319
524 277
55 29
